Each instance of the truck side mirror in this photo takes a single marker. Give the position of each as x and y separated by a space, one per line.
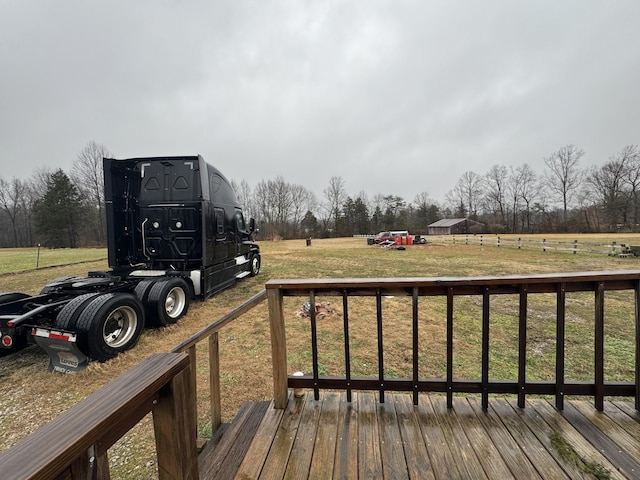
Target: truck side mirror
252 225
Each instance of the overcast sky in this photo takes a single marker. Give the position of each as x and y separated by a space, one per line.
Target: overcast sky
396 97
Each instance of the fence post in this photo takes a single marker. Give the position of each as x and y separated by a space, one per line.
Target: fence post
613 249
481 240
498 241
575 247
466 240
454 239
544 244
519 243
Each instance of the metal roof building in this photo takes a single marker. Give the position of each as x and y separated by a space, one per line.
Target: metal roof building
449 226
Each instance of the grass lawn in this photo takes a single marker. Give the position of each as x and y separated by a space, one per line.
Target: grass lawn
30 396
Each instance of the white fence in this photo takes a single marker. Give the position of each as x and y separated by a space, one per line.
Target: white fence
575 246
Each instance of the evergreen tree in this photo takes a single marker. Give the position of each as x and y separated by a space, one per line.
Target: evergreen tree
57 215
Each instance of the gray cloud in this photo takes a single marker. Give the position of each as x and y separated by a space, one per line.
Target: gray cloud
397 97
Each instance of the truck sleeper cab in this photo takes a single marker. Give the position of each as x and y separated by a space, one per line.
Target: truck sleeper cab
175 232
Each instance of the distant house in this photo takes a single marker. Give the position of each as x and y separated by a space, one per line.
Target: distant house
451 226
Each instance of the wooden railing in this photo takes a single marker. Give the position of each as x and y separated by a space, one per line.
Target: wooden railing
450 288
210 333
74 445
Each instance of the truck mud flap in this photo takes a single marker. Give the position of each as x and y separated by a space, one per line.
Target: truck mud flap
64 355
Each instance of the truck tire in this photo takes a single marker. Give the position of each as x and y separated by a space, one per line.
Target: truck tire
254 263
142 289
110 324
68 316
168 301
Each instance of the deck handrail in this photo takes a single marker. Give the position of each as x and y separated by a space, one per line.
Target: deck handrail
449 288
75 444
210 333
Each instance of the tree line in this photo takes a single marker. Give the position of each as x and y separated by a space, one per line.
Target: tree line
66 209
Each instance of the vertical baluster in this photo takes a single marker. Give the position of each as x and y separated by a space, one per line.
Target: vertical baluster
560 324
347 352
522 345
314 344
416 362
450 347
485 348
599 346
380 345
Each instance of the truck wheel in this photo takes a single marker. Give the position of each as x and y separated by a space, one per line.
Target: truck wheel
255 265
6 297
68 316
143 288
109 325
168 301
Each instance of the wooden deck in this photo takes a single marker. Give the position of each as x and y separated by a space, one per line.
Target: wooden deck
332 438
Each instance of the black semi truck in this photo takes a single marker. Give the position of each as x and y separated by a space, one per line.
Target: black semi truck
175 232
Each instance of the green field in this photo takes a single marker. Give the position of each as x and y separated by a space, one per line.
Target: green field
27 388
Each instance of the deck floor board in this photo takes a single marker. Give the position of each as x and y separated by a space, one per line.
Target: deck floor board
333 438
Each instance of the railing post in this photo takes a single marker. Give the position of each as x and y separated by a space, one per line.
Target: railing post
193 385
278 347
177 454
214 382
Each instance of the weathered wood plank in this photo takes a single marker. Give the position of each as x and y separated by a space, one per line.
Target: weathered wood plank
543 432
223 460
302 449
278 456
415 451
332 438
324 450
442 459
257 453
582 447
510 450
369 456
346 461
516 423
603 435
464 456
394 465
480 426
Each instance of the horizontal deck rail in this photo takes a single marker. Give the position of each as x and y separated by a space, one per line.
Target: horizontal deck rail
74 445
485 287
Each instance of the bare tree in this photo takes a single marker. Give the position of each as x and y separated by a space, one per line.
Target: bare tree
87 174
631 156
607 182
335 194
12 199
523 186
465 196
563 176
495 182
